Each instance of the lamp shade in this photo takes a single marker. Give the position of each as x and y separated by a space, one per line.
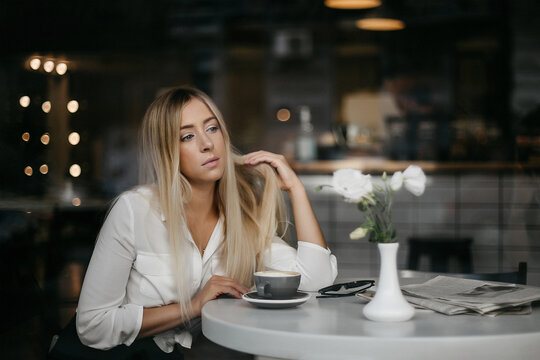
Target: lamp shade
383 18
380 24
352 4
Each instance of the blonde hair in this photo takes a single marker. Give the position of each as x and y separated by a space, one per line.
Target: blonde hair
249 197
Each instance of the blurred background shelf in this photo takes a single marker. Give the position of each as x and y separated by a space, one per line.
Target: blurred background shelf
378 165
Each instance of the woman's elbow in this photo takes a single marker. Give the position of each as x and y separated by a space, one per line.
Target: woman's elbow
315 283
91 335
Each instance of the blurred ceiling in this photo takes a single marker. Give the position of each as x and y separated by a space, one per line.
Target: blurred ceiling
71 25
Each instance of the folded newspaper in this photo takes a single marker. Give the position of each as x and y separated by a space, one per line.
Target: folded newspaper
452 296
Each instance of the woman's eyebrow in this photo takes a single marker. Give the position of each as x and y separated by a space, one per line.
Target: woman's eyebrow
191 125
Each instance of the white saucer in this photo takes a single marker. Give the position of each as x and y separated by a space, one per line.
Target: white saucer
254 299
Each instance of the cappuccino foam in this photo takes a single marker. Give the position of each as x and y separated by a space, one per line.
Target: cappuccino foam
275 273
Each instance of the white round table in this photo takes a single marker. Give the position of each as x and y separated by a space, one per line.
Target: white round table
335 328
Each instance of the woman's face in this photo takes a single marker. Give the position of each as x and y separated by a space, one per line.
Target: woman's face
202 147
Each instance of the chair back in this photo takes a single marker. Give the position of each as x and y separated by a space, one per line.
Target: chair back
515 277
440 251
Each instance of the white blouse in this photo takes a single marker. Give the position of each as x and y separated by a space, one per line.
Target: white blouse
130 270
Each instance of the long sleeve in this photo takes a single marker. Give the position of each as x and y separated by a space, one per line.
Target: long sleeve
317 265
104 320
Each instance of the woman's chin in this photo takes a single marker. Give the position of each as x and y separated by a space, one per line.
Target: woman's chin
208 178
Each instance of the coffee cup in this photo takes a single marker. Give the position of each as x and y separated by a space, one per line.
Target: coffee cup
274 284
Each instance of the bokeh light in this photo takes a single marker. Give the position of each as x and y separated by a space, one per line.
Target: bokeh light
61 68
73 106
26 136
28 171
283 114
35 63
75 170
74 138
46 107
48 66
45 139
76 201
24 101
44 169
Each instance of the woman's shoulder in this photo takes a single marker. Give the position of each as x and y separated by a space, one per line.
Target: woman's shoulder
139 193
136 203
138 197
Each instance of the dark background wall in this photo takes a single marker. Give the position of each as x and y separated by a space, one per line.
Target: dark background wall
463 68
465 76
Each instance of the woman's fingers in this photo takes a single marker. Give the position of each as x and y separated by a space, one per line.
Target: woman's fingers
222 285
216 286
286 173
219 285
261 156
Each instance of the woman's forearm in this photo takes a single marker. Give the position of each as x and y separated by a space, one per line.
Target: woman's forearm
307 226
160 319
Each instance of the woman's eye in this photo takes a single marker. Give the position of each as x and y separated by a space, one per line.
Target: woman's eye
213 129
187 137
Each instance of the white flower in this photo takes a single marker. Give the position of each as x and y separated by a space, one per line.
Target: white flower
397 181
376 201
358 233
352 184
414 180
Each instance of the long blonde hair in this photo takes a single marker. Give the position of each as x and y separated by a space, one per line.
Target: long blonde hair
249 197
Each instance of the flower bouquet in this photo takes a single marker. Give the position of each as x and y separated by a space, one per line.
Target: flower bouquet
375 202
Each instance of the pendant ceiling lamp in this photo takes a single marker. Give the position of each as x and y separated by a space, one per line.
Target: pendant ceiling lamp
381 19
380 24
352 4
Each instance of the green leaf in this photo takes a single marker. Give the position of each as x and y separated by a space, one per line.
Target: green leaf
362 206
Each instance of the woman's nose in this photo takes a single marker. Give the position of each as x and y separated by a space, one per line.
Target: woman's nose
206 143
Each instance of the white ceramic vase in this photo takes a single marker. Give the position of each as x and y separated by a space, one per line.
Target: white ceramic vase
388 304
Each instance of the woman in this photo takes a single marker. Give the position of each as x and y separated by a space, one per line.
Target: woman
207 220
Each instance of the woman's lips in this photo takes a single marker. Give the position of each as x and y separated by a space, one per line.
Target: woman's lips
210 163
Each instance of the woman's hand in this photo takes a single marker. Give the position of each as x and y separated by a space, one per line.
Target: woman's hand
216 286
162 318
287 177
307 227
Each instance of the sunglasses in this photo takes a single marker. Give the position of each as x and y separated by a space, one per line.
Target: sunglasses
345 289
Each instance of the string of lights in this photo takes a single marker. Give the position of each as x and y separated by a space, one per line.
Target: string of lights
50 67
